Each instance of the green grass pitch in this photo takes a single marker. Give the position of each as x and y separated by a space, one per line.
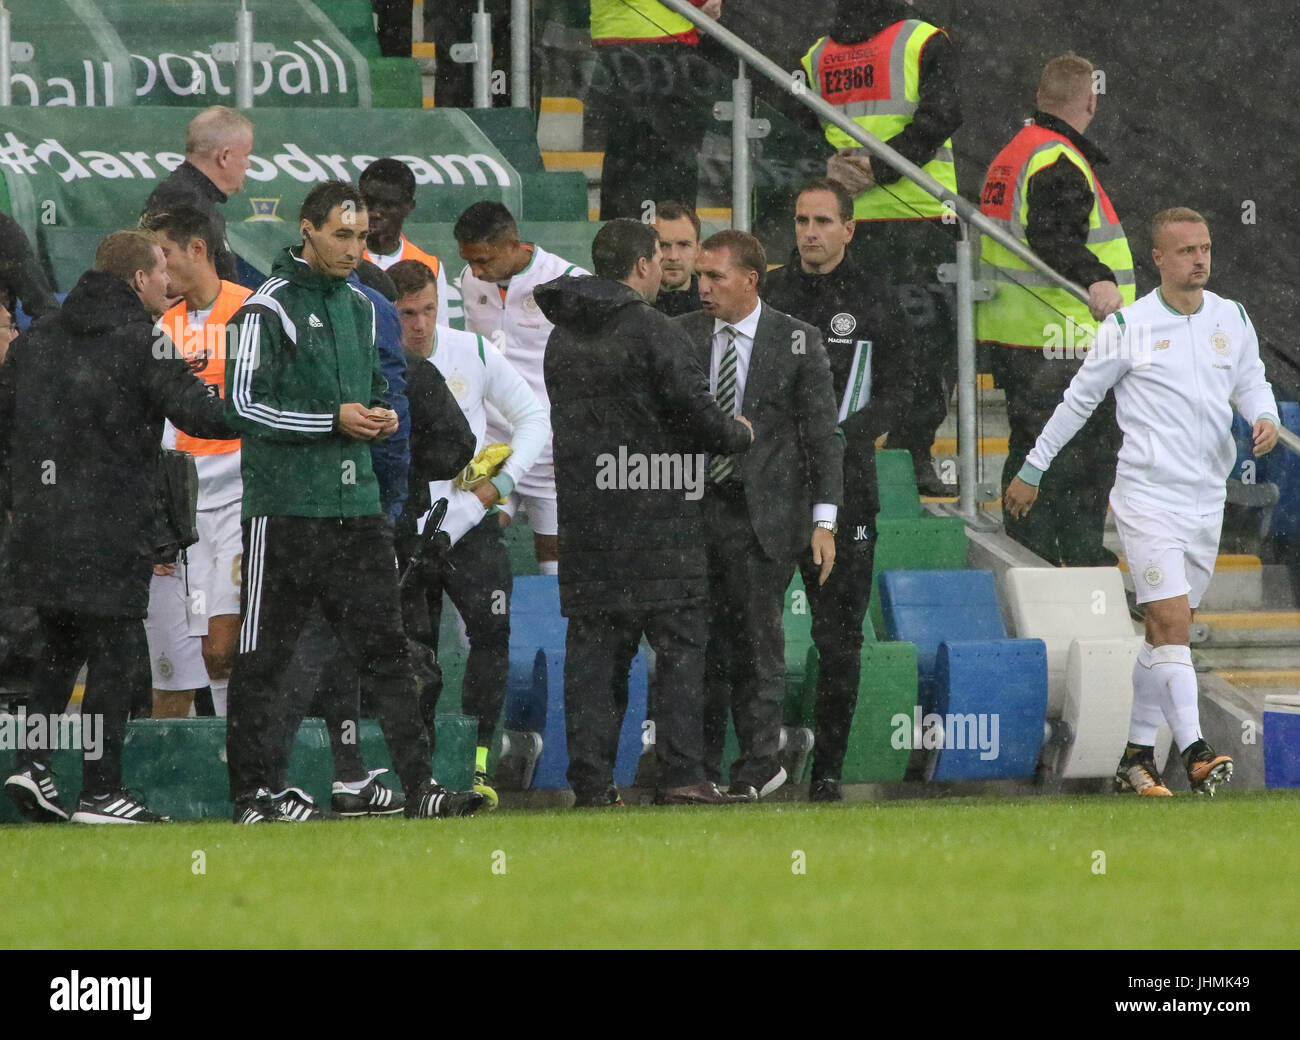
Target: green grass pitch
922 873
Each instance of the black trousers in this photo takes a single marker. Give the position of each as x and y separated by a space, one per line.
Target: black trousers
477 579
116 655
745 670
347 566
653 103
1068 520
907 254
598 653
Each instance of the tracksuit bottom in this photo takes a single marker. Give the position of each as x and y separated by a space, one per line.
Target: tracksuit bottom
116 655
347 566
839 610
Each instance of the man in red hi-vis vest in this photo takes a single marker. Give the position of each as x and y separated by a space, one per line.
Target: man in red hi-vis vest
1042 188
193 622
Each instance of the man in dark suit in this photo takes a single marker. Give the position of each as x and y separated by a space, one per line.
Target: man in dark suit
764 508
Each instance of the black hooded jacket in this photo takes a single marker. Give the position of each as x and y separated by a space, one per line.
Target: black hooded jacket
83 396
630 405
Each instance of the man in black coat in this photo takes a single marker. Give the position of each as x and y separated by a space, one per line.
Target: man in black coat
632 418
872 372
83 396
766 508
218 143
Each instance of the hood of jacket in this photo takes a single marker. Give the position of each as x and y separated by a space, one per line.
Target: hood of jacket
100 303
858 20
584 303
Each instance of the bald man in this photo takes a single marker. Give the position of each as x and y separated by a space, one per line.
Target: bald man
218 143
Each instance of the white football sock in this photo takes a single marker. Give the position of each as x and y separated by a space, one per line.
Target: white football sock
219 688
1172 666
549 567
1147 715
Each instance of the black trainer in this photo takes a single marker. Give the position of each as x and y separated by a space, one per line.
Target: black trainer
33 792
825 790
294 805
434 800
372 799
120 806
609 798
257 808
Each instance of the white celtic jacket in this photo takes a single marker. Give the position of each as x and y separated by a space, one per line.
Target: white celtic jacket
1176 378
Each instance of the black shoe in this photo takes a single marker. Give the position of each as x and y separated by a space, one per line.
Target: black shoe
121 806
609 798
372 799
929 484
294 805
750 793
33 792
256 808
434 800
695 794
825 790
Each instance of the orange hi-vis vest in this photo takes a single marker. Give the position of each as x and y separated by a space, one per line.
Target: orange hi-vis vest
206 350
410 251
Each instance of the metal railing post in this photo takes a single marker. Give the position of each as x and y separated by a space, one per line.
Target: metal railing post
482 58
244 57
967 448
521 53
6 38
741 98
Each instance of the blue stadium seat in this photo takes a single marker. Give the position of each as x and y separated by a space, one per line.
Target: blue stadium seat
969 673
1279 467
535 594
535 703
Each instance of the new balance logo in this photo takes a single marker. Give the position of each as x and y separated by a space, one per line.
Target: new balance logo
315 322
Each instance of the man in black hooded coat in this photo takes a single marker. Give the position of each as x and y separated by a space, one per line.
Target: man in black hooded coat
627 397
83 396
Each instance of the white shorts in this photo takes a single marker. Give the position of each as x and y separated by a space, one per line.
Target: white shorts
175 656
536 493
1168 554
214 567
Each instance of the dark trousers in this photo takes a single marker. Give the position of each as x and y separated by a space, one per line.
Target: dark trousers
839 610
477 579
347 566
745 670
907 254
653 103
598 653
1068 520
116 655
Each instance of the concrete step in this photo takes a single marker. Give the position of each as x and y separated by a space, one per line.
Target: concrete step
1247 628
1276 661
559 125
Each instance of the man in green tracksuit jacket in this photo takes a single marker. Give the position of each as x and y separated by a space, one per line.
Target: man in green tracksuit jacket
305 391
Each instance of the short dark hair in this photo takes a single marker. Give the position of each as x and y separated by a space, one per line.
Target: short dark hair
672 210
619 245
411 276
124 252
484 222
182 224
746 251
842 197
325 196
392 173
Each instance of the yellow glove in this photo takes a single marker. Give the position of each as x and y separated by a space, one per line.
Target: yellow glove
484 466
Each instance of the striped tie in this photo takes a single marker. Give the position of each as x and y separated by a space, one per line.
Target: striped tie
721 466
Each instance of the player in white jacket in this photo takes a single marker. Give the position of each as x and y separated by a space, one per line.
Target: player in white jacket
478 579
1178 359
496 289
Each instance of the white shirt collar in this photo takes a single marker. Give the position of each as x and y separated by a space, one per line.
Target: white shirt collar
747 326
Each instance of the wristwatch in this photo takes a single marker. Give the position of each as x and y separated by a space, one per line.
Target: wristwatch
829 525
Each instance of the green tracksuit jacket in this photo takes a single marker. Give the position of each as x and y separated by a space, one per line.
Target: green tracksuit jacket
303 344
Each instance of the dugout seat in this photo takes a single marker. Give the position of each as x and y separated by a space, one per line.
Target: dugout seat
1082 616
969 673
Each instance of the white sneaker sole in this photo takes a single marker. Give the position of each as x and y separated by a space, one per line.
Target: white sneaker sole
87 817
37 799
776 782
